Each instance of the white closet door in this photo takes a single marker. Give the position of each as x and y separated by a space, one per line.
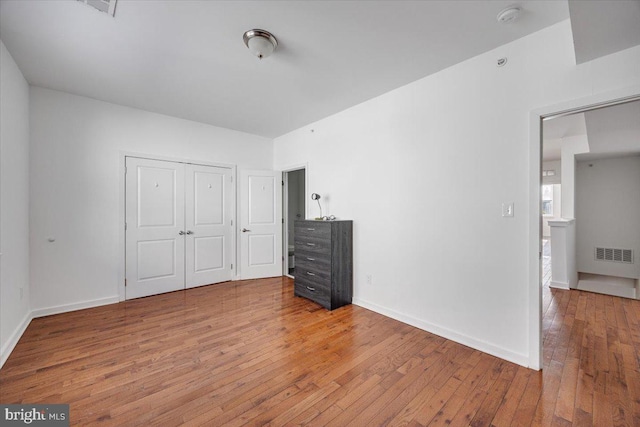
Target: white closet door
209 210
155 219
261 224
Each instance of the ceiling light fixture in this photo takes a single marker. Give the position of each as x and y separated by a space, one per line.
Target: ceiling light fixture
509 14
260 42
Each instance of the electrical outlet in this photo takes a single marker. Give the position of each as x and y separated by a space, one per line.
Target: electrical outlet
369 279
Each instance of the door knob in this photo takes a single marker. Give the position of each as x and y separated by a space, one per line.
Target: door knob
244 230
182 233
189 232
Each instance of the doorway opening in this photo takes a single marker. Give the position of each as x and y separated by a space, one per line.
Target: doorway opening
577 149
294 198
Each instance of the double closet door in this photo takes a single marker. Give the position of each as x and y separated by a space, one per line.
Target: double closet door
179 229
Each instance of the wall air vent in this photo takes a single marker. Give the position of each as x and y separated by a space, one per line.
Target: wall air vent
107 6
614 255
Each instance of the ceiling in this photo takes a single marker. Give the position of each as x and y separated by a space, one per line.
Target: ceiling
612 131
556 129
187 58
603 27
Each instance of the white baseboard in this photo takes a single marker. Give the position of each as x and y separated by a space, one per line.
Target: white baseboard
41 312
14 338
502 353
559 285
48 311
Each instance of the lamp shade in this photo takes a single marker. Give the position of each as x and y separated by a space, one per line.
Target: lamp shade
260 47
261 43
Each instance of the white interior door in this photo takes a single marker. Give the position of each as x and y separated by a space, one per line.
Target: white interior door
209 210
260 224
154 221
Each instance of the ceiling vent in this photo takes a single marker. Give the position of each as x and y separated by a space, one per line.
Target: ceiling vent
107 6
614 255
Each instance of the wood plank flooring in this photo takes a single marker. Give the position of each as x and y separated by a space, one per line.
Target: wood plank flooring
250 353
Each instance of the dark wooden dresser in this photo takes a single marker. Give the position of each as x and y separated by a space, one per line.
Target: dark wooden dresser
324 262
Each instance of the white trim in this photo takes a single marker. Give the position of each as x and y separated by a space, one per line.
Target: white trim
175 159
559 285
285 212
535 220
14 338
307 173
122 159
48 311
561 222
486 347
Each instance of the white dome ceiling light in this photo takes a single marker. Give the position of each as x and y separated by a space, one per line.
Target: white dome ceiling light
509 14
261 43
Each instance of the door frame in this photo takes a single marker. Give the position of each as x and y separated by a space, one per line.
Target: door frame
122 256
285 210
536 117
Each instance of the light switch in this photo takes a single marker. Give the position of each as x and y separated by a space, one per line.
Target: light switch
507 209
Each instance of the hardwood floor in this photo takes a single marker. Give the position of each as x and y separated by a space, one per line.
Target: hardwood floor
251 353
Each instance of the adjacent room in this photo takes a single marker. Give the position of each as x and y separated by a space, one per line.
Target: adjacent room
590 224
320 212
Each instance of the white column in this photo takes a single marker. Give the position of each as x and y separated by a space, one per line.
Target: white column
570 147
563 254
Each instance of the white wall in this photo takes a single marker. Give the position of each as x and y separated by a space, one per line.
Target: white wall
608 213
554 165
570 147
76 146
423 171
14 203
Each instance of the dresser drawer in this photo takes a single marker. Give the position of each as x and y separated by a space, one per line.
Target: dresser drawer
313 281
313 245
320 295
312 278
302 255
314 263
313 229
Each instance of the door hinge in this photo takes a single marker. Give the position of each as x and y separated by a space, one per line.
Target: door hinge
283 220
283 183
125 283
232 266
231 222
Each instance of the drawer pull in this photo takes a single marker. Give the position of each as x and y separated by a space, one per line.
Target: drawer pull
310 273
311 229
311 244
311 289
311 259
